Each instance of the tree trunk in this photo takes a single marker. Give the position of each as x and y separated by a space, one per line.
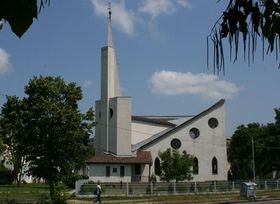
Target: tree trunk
51 189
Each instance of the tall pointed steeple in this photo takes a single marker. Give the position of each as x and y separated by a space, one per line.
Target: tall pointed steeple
113 118
110 42
110 86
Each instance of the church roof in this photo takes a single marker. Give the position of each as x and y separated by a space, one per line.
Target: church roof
169 131
142 157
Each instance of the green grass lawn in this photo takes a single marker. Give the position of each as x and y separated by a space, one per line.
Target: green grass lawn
26 192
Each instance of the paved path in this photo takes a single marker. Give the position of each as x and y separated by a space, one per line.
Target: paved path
174 202
264 202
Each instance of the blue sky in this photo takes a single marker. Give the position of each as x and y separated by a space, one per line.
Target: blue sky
161 52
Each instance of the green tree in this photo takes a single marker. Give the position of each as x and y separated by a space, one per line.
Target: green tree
266 149
175 166
11 131
250 20
240 151
55 132
20 13
271 144
277 118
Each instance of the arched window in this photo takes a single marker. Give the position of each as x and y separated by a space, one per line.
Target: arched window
214 166
195 166
157 167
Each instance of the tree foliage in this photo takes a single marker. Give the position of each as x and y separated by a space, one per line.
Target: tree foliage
49 129
11 131
175 166
240 150
266 148
55 132
272 146
20 13
250 20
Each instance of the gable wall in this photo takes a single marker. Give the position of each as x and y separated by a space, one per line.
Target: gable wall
211 143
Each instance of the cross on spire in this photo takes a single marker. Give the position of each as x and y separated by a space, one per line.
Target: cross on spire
110 36
110 11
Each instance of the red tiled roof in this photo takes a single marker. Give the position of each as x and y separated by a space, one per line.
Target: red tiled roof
142 157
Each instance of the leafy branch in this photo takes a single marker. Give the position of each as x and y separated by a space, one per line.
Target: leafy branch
20 13
250 19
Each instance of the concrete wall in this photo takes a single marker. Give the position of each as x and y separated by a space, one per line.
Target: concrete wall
210 143
142 131
109 74
120 126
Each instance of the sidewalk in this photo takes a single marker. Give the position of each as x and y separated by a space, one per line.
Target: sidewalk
178 200
147 201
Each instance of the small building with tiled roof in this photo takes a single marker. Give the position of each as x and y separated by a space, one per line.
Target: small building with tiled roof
127 146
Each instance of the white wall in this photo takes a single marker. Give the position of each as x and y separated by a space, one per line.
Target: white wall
211 143
120 126
141 131
97 172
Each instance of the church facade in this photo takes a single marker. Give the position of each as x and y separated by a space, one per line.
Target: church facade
127 146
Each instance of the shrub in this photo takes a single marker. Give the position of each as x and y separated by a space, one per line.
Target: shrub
6 175
70 180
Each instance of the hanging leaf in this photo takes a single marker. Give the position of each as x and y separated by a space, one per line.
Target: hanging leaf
224 31
19 14
256 16
256 20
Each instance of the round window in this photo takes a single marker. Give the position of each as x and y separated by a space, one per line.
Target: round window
175 143
194 133
213 123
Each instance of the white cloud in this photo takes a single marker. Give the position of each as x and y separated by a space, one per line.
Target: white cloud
5 64
184 3
178 83
158 7
87 83
122 18
125 19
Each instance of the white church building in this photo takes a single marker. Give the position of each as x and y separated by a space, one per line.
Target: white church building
127 146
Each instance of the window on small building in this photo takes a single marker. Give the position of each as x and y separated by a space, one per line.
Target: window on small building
107 171
195 166
157 167
122 171
115 170
214 166
137 169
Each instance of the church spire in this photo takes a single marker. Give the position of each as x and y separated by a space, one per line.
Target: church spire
110 86
114 111
110 41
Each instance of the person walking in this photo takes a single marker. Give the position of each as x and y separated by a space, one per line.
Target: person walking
98 193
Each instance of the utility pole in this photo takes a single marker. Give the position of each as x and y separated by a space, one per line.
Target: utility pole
253 160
